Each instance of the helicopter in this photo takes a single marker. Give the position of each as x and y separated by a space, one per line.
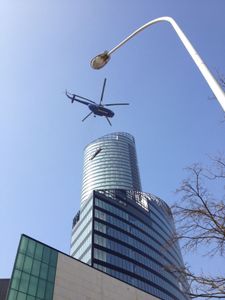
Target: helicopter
96 109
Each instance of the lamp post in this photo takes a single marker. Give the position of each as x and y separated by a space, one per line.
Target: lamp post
102 59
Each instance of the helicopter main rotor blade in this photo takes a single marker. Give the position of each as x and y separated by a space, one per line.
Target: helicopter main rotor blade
108 121
112 104
87 116
103 90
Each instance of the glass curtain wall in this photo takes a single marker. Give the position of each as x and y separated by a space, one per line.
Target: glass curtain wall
110 162
130 242
34 271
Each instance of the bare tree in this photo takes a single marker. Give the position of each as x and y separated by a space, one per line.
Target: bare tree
200 220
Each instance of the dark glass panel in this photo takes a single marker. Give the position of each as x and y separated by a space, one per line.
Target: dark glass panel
39 251
30 297
23 244
51 274
36 267
41 288
31 248
27 264
33 285
19 261
44 271
49 291
21 296
24 282
53 259
46 255
12 295
16 279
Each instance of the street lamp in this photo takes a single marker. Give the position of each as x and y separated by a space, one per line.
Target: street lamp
102 59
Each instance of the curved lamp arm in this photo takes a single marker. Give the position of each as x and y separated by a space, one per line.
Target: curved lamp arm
101 60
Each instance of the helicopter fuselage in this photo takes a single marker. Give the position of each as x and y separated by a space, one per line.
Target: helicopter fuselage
101 110
97 109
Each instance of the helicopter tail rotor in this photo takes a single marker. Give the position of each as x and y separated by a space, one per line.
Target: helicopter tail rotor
70 96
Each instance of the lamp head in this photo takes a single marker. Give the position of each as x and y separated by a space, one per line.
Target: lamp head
100 60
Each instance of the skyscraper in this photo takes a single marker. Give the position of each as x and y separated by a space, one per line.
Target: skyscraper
121 230
110 162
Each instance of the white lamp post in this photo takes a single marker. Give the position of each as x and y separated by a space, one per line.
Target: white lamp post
101 60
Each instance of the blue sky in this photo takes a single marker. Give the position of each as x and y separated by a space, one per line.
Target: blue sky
46 47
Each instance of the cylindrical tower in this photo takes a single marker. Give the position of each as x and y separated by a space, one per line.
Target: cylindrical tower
110 162
119 229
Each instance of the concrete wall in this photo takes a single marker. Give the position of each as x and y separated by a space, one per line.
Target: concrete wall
75 280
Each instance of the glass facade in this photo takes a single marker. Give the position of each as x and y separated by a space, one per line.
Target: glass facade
34 271
129 244
81 240
120 230
110 162
130 232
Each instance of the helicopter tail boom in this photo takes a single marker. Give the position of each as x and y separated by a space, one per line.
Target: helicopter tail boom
74 97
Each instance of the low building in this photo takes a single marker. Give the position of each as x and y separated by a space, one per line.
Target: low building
43 273
4 284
